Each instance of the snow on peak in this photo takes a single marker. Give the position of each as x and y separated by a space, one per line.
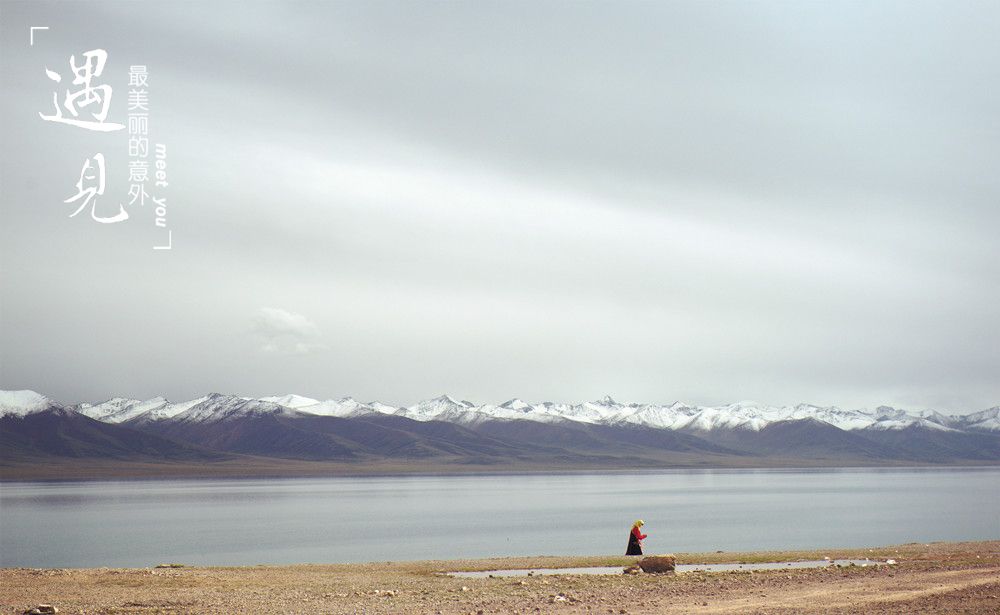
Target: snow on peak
515 404
733 416
120 409
442 408
168 410
23 403
346 406
217 407
985 420
343 407
291 401
907 422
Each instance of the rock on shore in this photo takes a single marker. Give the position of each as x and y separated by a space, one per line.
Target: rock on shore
658 563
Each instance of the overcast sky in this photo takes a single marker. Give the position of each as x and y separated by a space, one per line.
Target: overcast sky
706 202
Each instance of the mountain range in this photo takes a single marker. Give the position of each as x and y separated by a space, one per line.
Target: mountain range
301 434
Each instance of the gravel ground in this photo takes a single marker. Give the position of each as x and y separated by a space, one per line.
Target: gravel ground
936 578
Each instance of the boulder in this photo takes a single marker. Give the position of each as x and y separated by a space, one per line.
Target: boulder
42 609
658 563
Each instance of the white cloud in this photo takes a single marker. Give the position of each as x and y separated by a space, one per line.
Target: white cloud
282 332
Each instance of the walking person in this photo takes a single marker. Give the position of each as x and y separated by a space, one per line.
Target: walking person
635 539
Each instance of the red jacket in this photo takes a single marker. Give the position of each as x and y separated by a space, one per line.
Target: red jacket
635 532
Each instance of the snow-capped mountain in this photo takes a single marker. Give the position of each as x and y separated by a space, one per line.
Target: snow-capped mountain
346 406
602 433
120 409
442 408
219 407
23 403
987 420
292 401
35 430
123 410
677 416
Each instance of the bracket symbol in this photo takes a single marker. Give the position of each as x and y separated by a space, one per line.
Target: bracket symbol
33 28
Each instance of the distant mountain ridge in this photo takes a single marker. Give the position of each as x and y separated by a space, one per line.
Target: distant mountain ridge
602 433
677 416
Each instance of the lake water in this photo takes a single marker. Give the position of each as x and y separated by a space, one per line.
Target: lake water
399 518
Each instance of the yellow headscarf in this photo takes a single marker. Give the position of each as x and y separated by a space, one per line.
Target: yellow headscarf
638 523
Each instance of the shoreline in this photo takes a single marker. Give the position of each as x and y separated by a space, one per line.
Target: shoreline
928 578
96 471
914 551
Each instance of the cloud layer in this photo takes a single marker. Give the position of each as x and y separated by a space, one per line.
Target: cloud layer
658 201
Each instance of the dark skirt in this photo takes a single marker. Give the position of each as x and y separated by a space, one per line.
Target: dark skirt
634 548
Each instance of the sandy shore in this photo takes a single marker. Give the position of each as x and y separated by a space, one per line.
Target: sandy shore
934 578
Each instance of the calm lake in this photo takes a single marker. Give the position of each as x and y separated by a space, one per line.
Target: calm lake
399 518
